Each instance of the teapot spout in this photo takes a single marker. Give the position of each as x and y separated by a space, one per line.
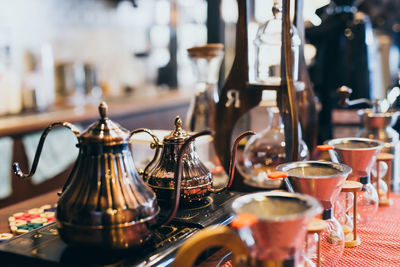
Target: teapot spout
17 170
232 163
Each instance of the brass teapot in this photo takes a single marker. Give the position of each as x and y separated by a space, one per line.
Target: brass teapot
105 203
179 152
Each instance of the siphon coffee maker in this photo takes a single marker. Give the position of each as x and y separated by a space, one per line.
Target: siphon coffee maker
105 203
269 230
240 93
324 181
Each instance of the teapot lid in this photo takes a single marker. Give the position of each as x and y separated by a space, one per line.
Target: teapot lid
178 135
105 131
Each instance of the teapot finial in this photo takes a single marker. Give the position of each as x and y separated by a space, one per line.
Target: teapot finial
178 124
103 108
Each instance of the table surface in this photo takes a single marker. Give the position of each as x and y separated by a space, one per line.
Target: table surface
380 240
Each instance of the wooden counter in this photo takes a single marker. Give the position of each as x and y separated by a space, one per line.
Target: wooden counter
119 109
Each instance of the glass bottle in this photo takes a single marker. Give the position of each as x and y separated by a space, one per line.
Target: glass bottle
268 45
206 61
266 150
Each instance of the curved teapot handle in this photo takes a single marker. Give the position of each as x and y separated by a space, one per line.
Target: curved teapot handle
212 236
155 145
232 162
17 170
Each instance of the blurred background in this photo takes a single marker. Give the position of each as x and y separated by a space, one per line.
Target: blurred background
75 52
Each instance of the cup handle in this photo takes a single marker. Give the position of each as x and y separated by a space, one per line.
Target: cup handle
212 236
332 153
155 145
284 175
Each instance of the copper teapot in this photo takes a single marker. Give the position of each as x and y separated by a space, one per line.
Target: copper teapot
105 203
179 152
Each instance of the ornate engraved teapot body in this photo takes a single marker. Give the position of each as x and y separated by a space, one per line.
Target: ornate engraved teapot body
178 151
104 203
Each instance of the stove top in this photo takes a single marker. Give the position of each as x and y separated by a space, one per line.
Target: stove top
44 247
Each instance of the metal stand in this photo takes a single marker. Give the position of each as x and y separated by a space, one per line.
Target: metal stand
238 96
316 226
353 187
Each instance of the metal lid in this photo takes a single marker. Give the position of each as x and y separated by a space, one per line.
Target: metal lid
105 131
178 135
207 51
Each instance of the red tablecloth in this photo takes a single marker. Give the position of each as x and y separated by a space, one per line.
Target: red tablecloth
380 240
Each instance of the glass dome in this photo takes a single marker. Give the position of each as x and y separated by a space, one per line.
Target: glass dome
268 43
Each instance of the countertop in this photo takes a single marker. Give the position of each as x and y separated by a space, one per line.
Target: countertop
20 124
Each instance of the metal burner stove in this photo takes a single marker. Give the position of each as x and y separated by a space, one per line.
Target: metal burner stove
43 247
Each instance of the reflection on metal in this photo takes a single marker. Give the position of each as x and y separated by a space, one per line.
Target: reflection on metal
358 153
179 156
105 202
322 180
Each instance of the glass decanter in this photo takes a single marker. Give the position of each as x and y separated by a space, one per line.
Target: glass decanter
268 45
206 61
266 150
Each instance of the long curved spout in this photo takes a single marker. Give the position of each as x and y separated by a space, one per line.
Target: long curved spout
17 170
232 162
178 178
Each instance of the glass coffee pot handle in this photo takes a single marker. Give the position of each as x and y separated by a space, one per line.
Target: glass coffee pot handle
217 236
17 170
157 145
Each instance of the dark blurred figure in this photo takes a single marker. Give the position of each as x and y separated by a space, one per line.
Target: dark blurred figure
342 57
385 16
